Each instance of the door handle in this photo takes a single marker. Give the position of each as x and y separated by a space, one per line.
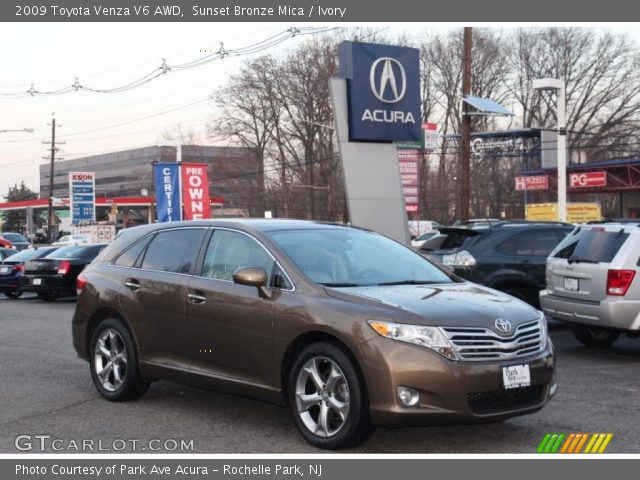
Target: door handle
196 297
132 284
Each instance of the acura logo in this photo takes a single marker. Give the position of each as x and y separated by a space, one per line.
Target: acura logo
503 325
388 80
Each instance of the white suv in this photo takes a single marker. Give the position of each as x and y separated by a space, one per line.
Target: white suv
593 282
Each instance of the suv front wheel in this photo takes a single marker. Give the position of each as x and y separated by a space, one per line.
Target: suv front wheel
594 336
327 398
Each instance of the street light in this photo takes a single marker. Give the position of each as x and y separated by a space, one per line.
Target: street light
558 86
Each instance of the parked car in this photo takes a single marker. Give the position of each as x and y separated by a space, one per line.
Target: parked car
593 282
6 252
55 275
478 222
72 240
419 241
11 269
508 256
348 328
17 241
5 243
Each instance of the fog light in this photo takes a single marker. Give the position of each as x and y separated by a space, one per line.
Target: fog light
408 396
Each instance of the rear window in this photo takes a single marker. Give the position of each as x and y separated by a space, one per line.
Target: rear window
456 240
76 252
31 253
592 245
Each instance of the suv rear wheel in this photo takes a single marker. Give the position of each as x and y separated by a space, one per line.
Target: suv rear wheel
114 362
594 336
327 398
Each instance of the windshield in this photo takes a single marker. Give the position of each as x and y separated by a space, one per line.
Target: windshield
349 258
14 237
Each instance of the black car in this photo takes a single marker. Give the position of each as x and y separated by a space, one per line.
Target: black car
11 269
507 256
55 275
17 241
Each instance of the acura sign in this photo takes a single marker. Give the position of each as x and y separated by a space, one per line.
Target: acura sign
383 87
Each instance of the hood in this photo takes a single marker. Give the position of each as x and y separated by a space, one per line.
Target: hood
447 305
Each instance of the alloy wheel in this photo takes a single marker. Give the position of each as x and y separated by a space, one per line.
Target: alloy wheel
322 396
110 359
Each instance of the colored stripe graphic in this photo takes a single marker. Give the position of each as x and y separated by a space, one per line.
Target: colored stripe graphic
574 443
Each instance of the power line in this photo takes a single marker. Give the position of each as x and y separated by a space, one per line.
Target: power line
165 67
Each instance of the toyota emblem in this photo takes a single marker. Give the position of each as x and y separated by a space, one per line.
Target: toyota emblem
502 325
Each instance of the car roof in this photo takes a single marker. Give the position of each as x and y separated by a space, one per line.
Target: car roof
259 224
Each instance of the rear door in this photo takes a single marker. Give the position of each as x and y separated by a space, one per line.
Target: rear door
578 267
154 290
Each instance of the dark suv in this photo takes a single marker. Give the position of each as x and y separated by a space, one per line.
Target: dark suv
507 256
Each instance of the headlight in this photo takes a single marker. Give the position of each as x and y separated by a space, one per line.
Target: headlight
546 339
430 337
460 259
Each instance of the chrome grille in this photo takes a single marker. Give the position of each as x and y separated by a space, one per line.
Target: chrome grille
477 344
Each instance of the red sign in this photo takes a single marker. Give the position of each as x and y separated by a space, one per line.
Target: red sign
410 178
588 179
536 182
195 191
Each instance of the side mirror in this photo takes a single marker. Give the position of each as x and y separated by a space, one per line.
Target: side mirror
253 277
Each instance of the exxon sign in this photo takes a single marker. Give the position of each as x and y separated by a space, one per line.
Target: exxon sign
383 91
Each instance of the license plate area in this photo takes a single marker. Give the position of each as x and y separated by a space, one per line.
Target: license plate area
571 284
516 376
37 281
5 270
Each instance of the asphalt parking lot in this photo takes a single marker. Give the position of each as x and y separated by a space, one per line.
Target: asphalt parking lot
46 390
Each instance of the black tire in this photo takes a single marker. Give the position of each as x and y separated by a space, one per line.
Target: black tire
597 337
357 426
47 295
13 294
121 387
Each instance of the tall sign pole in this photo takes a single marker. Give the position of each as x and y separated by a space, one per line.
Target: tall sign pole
51 168
466 127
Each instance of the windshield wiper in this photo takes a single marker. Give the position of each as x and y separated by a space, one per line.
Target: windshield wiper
407 282
571 260
340 284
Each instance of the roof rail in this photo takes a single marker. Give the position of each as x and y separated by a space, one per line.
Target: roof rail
531 222
615 220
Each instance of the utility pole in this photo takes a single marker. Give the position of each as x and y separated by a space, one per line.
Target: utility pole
466 127
52 157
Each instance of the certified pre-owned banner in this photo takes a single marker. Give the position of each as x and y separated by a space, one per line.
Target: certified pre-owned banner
167 182
195 191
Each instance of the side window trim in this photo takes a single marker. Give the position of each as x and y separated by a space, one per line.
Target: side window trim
277 265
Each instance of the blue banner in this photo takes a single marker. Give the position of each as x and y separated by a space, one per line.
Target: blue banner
383 89
167 182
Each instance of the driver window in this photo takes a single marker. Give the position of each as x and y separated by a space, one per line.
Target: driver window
228 251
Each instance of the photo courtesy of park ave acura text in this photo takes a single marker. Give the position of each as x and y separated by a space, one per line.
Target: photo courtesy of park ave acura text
272 230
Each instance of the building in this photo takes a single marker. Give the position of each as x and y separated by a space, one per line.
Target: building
232 173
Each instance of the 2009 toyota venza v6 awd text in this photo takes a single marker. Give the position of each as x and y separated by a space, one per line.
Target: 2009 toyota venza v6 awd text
348 328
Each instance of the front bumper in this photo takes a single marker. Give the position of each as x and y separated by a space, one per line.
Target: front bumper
451 392
618 313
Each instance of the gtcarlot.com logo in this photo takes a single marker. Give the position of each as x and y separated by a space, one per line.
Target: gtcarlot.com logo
574 443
